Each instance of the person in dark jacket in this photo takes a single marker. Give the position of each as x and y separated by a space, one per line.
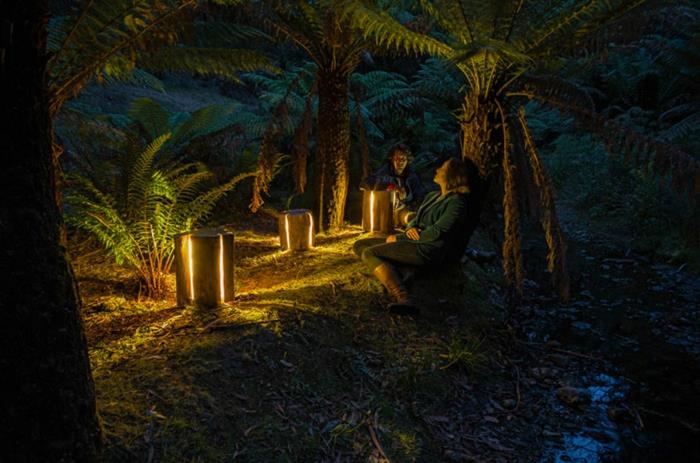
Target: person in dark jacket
438 233
397 175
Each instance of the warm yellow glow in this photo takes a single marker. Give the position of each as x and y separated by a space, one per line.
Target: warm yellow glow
311 230
221 267
286 230
371 211
190 264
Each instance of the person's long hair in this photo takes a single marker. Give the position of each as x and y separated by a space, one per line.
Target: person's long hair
456 177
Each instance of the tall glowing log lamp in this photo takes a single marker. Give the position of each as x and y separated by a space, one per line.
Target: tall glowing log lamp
296 228
378 211
204 267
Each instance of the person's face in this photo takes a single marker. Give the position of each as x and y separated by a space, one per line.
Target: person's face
400 161
440 174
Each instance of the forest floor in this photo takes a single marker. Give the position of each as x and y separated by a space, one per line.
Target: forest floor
305 365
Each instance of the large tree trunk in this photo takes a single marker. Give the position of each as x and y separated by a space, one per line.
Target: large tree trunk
333 149
48 409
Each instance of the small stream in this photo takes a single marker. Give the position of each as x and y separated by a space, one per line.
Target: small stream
634 327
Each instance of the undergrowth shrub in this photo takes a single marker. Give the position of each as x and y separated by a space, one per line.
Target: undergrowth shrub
136 224
631 202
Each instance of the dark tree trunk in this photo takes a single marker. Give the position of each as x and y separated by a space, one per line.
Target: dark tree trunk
333 149
48 409
482 150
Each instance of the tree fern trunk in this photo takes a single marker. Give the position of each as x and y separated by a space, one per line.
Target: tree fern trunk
482 140
333 172
481 144
48 413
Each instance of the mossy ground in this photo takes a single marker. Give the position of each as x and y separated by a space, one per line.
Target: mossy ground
305 365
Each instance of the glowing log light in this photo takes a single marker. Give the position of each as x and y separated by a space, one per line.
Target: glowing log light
204 267
378 211
296 227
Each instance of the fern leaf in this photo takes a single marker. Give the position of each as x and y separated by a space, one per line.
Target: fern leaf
151 116
220 62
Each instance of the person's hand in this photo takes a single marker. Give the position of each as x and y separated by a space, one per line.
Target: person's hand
391 239
401 192
413 234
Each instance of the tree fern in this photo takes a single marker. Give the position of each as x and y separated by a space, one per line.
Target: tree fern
86 43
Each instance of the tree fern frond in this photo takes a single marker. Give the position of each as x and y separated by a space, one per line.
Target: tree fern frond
434 79
552 88
387 32
489 48
220 62
218 34
136 77
202 122
447 16
154 119
103 29
556 257
682 128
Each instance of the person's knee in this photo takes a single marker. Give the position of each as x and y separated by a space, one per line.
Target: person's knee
369 257
358 247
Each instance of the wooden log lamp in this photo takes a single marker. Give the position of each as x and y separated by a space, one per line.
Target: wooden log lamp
378 211
204 267
296 227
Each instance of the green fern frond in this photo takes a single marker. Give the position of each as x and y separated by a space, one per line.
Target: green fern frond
202 206
163 201
448 16
88 43
219 62
218 34
154 119
388 33
682 128
140 175
136 77
556 90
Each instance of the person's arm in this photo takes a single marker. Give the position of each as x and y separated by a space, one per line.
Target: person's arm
378 179
414 189
453 213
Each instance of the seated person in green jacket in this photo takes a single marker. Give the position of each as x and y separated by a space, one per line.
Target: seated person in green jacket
439 232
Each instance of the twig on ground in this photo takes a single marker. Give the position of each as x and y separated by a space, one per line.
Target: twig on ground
575 354
375 440
675 419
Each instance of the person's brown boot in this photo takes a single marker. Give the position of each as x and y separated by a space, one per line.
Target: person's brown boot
390 279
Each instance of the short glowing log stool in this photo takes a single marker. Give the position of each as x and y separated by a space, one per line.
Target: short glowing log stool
378 211
296 228
204 267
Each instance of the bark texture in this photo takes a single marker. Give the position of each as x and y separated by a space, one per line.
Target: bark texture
48 413
333 149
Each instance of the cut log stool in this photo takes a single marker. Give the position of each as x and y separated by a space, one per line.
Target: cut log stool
378 211
204 267
296 228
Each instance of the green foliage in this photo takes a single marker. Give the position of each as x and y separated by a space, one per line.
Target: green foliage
468 354
107 39
157 202
638 204
100 38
